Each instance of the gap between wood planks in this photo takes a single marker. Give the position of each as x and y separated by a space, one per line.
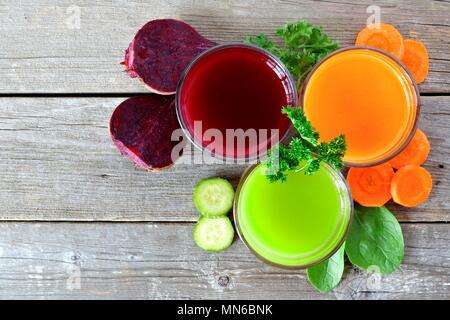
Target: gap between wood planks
38 177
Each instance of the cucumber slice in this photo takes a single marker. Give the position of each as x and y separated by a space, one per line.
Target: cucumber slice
214 234
213 197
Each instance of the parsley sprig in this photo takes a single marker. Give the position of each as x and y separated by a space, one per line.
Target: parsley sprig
304 151
304 46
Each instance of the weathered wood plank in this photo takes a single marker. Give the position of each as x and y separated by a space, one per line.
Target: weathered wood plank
42 49
160 261
57 163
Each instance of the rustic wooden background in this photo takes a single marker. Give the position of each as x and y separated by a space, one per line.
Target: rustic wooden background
79 221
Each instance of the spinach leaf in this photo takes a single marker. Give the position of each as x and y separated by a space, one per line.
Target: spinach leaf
327 275
375 239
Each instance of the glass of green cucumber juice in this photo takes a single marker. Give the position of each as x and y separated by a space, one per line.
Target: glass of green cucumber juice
293 224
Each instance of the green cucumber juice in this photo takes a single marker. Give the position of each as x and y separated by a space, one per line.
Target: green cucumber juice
296 223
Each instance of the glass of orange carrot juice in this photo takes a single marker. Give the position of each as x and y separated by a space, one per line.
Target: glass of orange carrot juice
369 96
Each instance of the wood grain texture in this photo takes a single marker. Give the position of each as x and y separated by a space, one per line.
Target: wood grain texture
57 163
160 261
43 51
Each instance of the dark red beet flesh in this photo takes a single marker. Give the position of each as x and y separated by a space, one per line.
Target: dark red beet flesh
160 52
142 127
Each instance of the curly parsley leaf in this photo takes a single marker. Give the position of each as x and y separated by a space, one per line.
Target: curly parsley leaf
304 46
301 124
304 152
264 42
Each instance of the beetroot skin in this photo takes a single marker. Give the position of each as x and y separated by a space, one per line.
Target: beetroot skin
141 128
160 52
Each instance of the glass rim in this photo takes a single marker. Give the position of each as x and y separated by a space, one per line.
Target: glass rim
411 79
338 176
179 113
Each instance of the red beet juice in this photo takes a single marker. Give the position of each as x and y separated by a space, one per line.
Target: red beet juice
235 87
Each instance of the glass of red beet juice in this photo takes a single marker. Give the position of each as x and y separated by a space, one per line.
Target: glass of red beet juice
229 94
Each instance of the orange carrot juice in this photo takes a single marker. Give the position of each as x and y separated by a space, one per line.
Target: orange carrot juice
366 95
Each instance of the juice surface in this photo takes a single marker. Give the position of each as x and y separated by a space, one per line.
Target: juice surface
368 97
235 88
293 223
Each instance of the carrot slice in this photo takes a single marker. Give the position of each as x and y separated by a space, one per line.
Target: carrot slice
382 36
371 186
411 185
416 152
415 58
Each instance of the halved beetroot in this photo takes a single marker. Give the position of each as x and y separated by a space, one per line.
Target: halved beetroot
160 52
141 128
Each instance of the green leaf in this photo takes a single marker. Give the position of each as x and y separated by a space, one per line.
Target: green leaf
327 275
375 240
304 152
301 124
263 41
304 45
